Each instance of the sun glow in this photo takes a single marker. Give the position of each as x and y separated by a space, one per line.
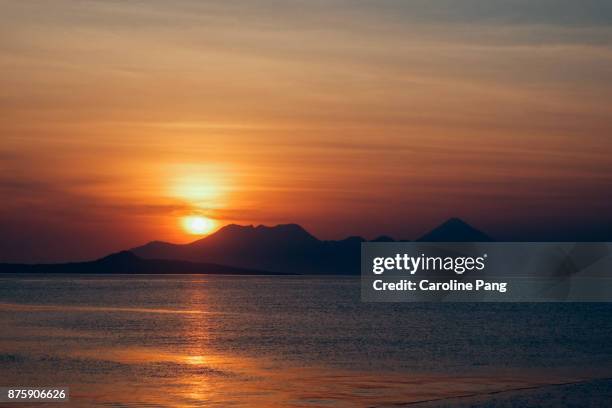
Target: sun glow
203 186
197 190
198 225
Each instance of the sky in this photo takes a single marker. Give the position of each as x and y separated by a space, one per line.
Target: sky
119 119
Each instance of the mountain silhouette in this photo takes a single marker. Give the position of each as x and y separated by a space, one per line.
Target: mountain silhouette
288 248
455 230
282 248
383 238
126 262
236 249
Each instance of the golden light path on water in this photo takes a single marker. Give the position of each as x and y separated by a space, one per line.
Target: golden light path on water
194 374
73 308
252 382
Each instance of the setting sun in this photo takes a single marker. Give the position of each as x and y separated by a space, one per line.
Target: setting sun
198 225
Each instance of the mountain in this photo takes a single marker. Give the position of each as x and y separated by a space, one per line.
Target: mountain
455 230
288 248
383 238
126 262
282 248
249 250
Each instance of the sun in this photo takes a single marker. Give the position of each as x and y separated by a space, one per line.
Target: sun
198 225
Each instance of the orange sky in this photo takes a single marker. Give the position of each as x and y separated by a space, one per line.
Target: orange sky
119 118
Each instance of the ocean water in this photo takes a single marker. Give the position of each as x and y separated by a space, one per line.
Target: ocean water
186 340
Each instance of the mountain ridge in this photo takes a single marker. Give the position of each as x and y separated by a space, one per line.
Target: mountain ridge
290 247
248 250
455 230
126 262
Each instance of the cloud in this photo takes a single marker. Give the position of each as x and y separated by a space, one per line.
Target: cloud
554 12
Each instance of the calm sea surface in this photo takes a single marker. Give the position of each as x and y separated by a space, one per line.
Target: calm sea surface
182 341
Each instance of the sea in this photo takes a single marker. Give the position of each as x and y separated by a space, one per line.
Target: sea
283 341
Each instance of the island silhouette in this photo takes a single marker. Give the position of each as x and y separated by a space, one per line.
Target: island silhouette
248 250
